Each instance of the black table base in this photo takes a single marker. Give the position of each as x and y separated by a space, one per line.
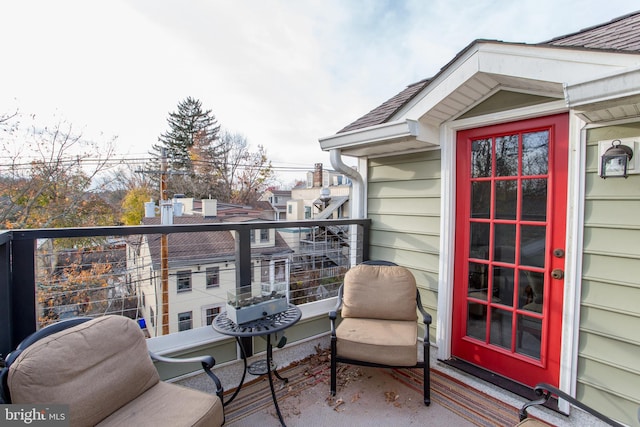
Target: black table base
264 327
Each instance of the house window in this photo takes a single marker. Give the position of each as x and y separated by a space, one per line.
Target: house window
185 321
264 235
211 314
280 271
152 317
307 212
290 208
252 236
184 280
213 277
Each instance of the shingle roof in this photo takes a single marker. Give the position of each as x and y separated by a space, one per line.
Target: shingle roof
192 248
620 34
382 113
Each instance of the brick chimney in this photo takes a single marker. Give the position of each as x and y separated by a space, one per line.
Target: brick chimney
317 175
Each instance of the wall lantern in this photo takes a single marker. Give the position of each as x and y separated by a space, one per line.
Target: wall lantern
615 160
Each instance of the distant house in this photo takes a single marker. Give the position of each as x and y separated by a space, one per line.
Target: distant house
485 180
325 195
201 267
275 201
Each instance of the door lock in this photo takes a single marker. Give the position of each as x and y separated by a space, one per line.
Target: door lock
557 273
558 253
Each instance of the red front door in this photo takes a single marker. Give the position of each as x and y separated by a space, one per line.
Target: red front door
511 182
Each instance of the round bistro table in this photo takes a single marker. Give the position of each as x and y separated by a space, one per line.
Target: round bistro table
264 327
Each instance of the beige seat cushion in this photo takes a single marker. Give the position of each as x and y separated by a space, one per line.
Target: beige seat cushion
379 292
95 367
388 342
169 405
102 370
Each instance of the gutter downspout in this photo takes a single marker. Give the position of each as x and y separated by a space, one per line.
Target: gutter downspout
357 200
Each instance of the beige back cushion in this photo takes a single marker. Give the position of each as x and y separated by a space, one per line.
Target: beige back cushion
95 367
379 292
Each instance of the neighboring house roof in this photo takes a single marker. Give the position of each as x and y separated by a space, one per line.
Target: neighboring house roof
283 193
620 34
194 248
264 205
227 209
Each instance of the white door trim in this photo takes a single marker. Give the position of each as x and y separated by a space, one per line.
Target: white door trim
575 214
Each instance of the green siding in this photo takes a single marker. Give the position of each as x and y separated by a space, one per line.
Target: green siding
505 100
404 207
609 344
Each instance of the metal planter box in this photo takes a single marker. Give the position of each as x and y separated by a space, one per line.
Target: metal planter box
248 308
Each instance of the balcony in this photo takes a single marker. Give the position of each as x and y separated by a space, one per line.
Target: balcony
173 284
172 279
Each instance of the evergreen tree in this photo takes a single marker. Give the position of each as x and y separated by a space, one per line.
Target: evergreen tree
191 130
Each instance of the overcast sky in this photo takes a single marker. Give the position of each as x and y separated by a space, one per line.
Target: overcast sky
282 73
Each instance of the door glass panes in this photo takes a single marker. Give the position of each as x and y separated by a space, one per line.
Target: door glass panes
532 294
505 241
477 321
534 199
508 220
478 281
480 199
532 245
481 158
503 285
528 336
535 153
500 334
479 240
506 199
507 155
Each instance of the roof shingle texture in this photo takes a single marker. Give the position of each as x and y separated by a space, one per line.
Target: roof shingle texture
191 247
622 33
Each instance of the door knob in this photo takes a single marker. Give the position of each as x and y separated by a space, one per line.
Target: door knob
557 273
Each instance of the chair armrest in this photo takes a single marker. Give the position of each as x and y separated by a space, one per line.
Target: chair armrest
333 314
546 391
207 363
426 317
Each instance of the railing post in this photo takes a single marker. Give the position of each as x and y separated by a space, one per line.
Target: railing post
22 290
5 299
243 273
243 260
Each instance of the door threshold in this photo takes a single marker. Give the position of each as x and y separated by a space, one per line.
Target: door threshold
504 383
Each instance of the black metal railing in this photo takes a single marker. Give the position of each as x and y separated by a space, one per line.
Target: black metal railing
29 266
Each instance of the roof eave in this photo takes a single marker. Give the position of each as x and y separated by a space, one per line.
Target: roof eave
410 134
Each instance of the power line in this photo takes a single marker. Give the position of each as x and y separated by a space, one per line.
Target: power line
112 162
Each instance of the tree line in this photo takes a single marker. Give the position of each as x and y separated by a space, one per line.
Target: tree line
54 177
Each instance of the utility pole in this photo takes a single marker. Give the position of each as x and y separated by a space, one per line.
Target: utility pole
166 218
164 244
